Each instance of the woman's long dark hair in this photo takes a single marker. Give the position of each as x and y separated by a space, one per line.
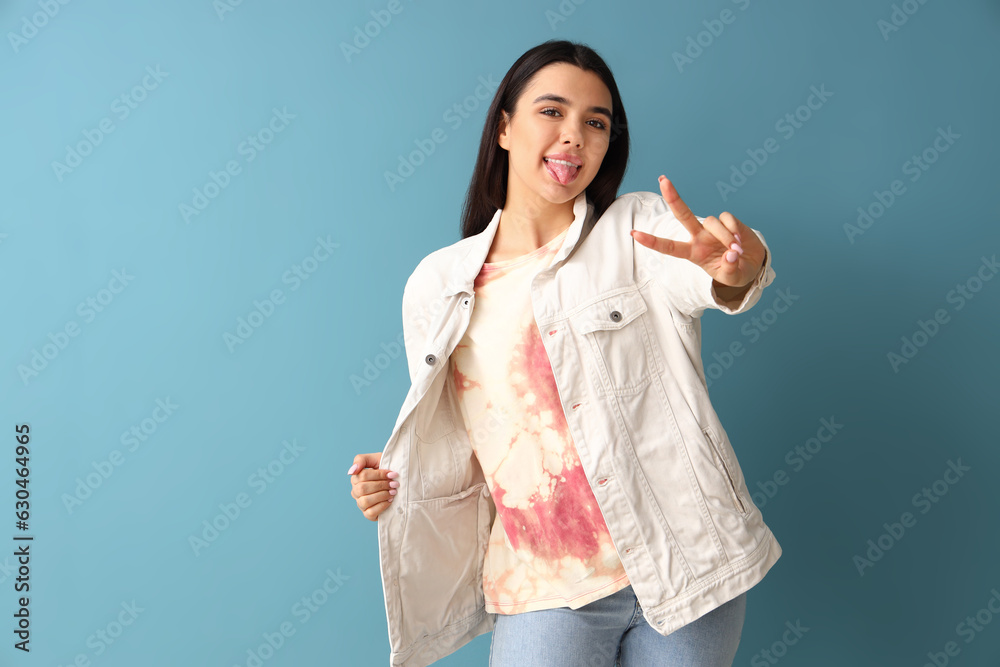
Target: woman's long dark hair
488 187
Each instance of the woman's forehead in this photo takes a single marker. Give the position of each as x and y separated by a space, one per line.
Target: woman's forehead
565 80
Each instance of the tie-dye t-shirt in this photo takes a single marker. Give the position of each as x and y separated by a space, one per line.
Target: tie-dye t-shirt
549 546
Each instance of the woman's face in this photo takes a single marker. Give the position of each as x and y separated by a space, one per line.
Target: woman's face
563 110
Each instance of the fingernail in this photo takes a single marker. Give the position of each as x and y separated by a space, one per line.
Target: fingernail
390 498
732 255
392 492
354 469
737 237
392 475
736 247
393 485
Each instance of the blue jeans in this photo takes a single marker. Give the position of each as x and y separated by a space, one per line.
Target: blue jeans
612 631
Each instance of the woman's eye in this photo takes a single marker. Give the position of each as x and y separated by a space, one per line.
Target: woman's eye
600 123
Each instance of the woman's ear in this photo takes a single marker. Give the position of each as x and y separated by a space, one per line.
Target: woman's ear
502 132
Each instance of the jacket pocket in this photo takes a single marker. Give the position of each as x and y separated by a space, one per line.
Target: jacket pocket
437 450
441 562
438 466
616 332
724 467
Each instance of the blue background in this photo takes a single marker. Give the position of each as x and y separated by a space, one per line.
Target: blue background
162 336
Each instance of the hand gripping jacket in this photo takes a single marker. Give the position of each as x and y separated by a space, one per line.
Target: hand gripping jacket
621 325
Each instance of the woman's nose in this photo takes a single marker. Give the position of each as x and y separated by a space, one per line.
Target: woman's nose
574 137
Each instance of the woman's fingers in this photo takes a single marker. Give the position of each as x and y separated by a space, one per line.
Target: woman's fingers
730 221
372 480
362 461
373 489
678 207
680 249
731 247
373 505
374 486
733 226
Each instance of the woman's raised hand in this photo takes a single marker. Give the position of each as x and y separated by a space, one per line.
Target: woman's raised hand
373 487
724 247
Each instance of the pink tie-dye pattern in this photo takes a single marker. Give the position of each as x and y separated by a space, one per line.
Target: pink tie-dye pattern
558 550
568 522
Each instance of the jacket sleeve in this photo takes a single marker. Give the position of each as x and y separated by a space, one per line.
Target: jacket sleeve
688 286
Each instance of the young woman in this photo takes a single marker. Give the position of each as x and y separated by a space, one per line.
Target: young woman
557 474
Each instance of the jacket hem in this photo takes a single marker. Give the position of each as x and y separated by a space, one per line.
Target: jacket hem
724 585
431 648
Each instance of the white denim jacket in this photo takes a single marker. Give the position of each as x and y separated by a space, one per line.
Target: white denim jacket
621 325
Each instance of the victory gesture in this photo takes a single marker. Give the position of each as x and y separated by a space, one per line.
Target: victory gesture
717 246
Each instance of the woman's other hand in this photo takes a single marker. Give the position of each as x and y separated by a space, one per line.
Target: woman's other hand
373 487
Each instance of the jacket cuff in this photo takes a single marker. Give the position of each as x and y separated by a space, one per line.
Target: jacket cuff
763 278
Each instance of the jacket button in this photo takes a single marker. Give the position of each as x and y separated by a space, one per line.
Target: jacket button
465 302
616 316
430 359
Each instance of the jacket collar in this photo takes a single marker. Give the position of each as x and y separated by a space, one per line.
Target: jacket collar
478 247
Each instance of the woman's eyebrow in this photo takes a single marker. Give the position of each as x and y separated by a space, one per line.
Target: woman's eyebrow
562 100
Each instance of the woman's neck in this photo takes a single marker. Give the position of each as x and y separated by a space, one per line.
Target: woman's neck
525 226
